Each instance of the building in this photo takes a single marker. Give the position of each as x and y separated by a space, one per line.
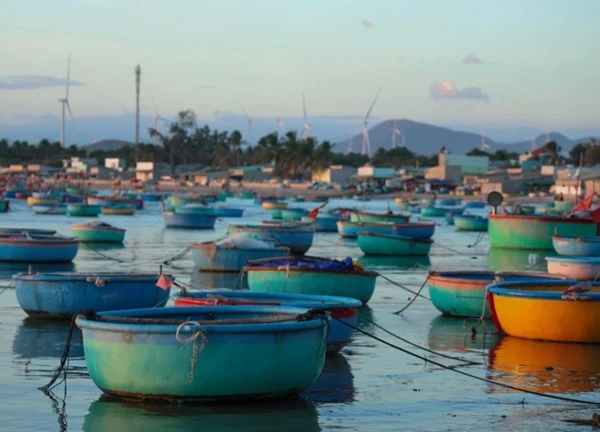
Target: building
467 164
114 164
449 173
335 174
150 171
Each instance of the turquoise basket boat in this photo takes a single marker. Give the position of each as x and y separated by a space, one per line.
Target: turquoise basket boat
340 308
349 229
83 210
577 246
462 293
98 232
230 255
4 206
194 209
298 237
189 345
293 214
535 232
323 223
361 216
433 211
228 212
50 209
33 248
470 223
276 214
474 204
189 221
62 295
385 244
311 275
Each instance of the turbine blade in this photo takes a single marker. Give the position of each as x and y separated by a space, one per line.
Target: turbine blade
68 84
372 105
70 112
304 107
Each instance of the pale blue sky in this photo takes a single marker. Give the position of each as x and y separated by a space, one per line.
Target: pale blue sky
540 64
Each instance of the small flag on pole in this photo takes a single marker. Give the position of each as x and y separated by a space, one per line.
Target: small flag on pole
164 282
315 212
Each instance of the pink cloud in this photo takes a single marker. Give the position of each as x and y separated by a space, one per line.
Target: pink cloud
449 90
472 59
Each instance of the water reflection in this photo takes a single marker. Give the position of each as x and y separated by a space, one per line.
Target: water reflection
218 280
335 384
364 318
45 339
546 367
290 415
454 335
8 269
383 263
518 260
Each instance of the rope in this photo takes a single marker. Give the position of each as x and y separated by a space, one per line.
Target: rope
478 239
415 297
192 339
450 368
422 347
64 363
11 283
175 257
404 288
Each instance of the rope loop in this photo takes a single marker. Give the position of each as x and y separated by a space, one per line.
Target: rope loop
197 332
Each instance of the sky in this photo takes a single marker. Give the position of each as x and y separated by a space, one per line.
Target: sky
511 65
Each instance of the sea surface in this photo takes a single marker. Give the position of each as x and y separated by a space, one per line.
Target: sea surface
367 387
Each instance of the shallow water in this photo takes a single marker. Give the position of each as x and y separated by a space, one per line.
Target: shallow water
368 386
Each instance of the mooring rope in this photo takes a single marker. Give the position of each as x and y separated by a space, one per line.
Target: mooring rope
10 284
458 371
399 285
167 261
196 333
418 294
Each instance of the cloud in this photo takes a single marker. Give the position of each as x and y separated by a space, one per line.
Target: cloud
368 24
449 90
29 82
472 59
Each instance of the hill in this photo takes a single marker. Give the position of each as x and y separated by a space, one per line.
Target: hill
108 145
426 139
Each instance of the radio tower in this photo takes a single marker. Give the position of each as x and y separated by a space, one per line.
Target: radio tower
138 74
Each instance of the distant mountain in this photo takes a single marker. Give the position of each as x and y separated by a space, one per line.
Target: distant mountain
108 145
426 139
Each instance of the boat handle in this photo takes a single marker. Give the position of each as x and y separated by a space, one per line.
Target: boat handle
98 281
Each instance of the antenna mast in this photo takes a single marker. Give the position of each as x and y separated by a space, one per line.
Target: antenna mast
138 75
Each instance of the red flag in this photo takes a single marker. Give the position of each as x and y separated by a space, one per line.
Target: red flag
117 183
164 282
584 205
315 212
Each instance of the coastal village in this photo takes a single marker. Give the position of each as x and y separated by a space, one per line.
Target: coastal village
532 174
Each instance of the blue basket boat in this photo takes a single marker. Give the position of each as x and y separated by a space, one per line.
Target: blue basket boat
386 244
190 221
194 209
352 229
470 223
311 275
323 223
228 212
50 209
341 308
27 230
577 246
298 237
62 295
474 204
417 230
83 210
203 354
37 248
231 254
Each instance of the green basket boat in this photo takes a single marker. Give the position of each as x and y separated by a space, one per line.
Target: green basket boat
83 210
535 232
98 232
389 244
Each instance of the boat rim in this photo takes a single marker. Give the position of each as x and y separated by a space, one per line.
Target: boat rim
83 277
395 237
510 289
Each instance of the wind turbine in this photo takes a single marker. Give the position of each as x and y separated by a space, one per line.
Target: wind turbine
65 105
484 146
249 122
396 131
279 125
304 133
366 145
157 120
